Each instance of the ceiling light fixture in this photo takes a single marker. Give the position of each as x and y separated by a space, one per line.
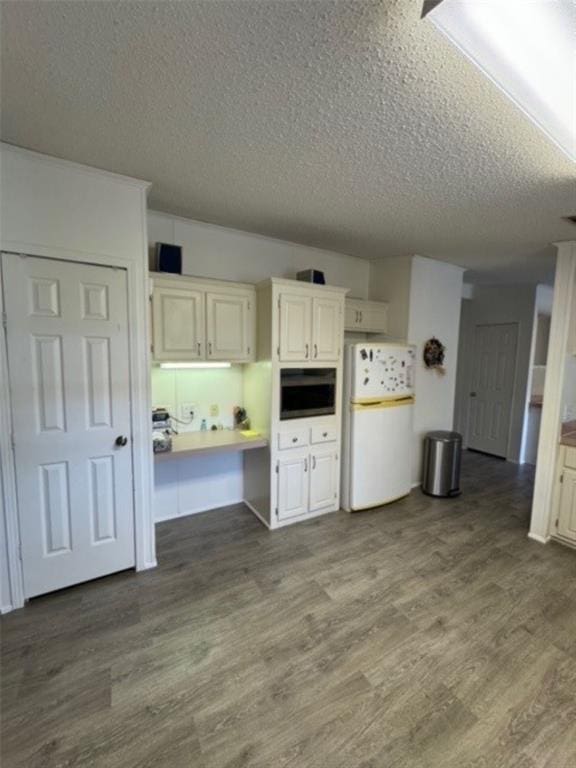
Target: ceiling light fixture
183 366
527 49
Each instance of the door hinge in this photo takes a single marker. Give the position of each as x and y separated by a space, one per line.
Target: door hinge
276 510
277 468
278 350
562 478
20 552
278 302
557 522
13 441
4 320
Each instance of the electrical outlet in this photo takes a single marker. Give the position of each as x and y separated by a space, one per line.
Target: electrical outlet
187 411
214 410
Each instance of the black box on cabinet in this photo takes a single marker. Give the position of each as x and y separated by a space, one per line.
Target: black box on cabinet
169 258
311 276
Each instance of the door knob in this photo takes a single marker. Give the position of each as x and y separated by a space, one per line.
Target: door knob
121 441
472 394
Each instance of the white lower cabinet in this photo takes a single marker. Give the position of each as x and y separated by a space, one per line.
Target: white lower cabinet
323 479
567 506
292 486
307 482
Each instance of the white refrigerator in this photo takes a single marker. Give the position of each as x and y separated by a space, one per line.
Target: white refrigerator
378 418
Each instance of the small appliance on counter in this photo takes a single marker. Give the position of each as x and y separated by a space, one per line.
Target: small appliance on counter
161 430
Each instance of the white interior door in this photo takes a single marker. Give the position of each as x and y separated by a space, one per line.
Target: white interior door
67 333
178 324
323 479
492 389
327 332
228 326
292 487
295 327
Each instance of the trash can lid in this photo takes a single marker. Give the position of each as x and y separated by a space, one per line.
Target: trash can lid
444 436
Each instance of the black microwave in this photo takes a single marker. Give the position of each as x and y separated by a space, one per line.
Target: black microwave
307 392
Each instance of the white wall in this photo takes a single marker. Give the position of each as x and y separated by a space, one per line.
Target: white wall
390 281
435 300
58 209
424 298
228 254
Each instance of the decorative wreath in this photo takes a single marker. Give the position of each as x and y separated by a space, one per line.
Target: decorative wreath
434 353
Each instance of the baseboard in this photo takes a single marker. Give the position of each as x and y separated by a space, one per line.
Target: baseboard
6 608
416 485
208 508
538 538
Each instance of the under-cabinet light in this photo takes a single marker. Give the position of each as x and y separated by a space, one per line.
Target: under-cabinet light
527 49
179 366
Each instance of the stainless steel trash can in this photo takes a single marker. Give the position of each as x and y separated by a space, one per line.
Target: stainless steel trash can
442 453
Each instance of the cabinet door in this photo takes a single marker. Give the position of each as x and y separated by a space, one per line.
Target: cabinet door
323 479
352 315
295 327
327 330
178 324
375 317
228 326
292 487
567 510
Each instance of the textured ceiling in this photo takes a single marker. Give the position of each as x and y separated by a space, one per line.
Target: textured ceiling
346 124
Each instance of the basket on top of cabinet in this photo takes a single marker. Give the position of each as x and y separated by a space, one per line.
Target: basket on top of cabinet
196 319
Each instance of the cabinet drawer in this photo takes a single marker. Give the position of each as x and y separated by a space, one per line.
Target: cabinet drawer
570 458
293 439
323 434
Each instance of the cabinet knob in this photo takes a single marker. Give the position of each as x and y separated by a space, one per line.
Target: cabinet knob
324 434
294 439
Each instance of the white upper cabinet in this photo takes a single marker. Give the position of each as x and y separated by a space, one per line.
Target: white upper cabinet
178 324
366 316
310 326
202 320
327 329
295 326
229 326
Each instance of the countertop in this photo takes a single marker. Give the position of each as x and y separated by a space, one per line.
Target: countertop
568 434
211 441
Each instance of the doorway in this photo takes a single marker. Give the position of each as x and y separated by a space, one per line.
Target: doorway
492 387
69 378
